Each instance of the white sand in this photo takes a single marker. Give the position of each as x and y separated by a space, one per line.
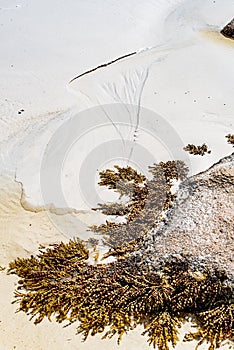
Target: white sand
184 75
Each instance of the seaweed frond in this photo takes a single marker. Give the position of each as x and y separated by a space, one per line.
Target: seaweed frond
162 330
114 298
230 139
197 150
216 325
147 200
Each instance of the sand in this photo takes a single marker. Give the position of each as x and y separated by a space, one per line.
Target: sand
178 88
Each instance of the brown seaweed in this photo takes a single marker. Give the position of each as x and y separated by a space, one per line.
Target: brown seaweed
114 298
197 150
147 200
230 139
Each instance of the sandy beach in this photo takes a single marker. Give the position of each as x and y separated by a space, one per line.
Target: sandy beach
72 104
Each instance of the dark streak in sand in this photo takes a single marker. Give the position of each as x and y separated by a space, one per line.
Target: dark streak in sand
103 65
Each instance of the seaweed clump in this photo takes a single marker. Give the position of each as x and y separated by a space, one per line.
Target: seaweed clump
147 200
230 139
197 150
113 299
